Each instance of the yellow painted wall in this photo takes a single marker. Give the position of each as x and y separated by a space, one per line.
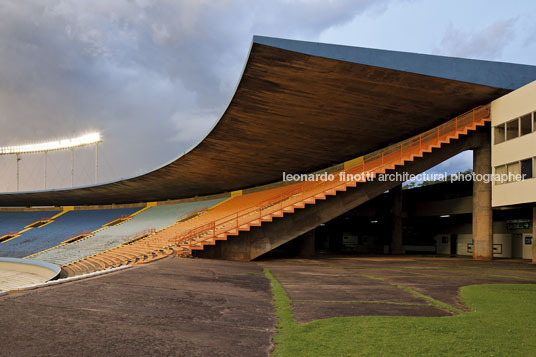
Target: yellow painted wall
504 109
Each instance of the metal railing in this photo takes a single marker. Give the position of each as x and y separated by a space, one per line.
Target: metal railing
307 192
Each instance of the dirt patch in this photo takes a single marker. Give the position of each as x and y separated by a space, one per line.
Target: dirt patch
307 311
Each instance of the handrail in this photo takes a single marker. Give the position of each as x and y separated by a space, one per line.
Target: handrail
372 164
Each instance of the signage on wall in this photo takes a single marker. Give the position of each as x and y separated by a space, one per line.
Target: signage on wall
497 248
349 241
518 224
528 240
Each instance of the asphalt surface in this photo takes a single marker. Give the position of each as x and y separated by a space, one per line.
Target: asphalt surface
174 307
201 307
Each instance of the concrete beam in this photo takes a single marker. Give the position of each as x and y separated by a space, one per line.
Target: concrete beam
252 244
482 211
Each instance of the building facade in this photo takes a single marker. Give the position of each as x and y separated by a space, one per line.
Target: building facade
514 147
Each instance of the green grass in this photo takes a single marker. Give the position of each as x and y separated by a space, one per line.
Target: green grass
502 322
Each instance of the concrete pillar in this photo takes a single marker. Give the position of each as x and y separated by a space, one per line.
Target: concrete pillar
482 212
396 221
306 245
534 235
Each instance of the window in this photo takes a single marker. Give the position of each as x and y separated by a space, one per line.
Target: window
512 129
499 134
501 171
513 170
526 124
526 168
534 121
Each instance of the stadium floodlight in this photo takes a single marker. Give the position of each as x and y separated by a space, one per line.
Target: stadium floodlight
88 139
64 144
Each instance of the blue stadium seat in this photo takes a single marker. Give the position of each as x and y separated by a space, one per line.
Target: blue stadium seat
11 222
64 227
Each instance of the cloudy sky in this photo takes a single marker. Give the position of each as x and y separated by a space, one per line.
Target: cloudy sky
154 76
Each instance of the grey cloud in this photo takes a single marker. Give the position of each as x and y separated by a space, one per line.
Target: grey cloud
152 75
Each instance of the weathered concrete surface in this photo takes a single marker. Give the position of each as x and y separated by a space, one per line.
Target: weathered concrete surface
252 244
396 221
482 211
339 286
175 307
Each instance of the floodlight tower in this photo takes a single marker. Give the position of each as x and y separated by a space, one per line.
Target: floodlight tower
58 145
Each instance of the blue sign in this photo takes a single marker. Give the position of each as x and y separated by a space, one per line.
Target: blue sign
528 240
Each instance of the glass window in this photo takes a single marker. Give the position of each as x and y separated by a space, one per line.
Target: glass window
501 171
499 134
534 121
526 168
526 124
513 171
512 129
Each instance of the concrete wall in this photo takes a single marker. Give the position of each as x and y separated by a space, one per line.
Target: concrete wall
504 109
462 205
503 246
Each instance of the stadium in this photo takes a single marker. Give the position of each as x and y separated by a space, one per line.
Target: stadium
313 111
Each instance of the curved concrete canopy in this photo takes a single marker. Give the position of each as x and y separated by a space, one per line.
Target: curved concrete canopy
301 107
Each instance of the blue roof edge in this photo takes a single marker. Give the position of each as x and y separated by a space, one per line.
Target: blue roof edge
489 73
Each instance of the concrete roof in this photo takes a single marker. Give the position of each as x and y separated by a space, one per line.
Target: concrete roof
303 106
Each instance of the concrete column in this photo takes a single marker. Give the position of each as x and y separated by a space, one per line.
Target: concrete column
534 235
396 221
306 245
482 212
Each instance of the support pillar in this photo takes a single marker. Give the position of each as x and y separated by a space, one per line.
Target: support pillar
45 173
96 163
72 167
396 221
482 211
18 172
534 235
306 245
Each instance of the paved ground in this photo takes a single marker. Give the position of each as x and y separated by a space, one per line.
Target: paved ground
12 279
350 286
175 307
196 307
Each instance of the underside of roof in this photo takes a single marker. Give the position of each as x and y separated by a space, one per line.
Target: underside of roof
301 107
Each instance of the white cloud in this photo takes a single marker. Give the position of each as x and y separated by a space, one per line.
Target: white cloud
488 43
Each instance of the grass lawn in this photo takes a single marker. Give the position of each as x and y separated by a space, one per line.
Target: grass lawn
502 322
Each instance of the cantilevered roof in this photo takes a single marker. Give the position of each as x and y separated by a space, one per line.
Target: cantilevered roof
303 106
